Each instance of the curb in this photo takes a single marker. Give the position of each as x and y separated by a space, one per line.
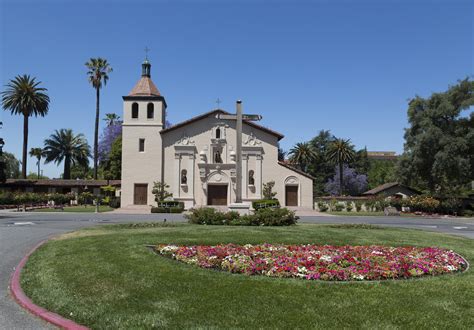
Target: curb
25 302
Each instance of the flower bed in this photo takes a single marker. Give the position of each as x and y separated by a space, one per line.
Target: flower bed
313 262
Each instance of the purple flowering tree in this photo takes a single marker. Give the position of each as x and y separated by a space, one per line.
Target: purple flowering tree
354 183
109 135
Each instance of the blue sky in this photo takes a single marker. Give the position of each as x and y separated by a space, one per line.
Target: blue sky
345 66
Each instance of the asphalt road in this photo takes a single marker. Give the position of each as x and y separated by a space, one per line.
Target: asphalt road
19 233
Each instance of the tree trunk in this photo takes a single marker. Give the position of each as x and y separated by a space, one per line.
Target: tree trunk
39 160
67 167
25 146
341 180
96 133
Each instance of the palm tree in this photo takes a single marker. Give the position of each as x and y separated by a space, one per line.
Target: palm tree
302 154
341 152
38 153
111 119
23 97
63 145
98 70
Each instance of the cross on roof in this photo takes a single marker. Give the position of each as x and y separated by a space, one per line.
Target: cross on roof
146 52
218 101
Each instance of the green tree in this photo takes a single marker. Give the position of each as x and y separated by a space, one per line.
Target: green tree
320 168
341 152
12 166
380 172
302 155
267 190
111 119
63 145
439 142
23 96
160 191
38 153
361 162
81 172
98 73
33 175
112 167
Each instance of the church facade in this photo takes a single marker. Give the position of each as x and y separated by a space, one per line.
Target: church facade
196 158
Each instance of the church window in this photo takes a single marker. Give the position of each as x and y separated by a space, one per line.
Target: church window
218 133
141 145
150 111
251 178
184 177
135 110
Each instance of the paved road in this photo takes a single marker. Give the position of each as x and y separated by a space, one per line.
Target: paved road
19 233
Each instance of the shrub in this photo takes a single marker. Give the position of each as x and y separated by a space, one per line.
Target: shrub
451 206
85 198
423 204
332 205
61 199
155 209
322 206
338 207
176 209
349 206
267 190
262 217
370 205
358 206
7 198
114 202
265 203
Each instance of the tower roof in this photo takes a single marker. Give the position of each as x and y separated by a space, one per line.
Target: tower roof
145 87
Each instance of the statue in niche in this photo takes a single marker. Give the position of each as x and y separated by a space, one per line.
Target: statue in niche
217 157
251 178
184 178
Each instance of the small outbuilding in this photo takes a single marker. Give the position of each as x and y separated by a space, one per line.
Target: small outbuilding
392 189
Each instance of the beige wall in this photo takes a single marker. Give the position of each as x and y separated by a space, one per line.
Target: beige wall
141 167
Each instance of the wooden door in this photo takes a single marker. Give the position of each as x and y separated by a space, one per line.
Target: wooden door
291 194
140 194
217 195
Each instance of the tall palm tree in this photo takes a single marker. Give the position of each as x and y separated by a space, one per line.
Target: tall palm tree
302 154
38 153
98 73
341 152
63 145
111 119
23 96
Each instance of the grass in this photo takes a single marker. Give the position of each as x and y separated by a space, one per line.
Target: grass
357 214
80 208
106 277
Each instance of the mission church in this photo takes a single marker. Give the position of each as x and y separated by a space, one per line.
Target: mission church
197 157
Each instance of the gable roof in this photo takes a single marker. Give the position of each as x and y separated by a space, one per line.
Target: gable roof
386 186
145 87
296 170
214 112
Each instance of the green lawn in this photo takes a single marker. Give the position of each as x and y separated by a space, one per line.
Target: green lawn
85 209
106 277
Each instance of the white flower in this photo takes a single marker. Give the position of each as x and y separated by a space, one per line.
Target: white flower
302 270
377 252
450 268
325 258
358 277
169 248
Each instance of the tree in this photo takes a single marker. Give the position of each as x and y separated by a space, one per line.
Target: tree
267 190
113 166
361 161
160 191
341 152
439 142
98 73
281 154
23 96
380 172
354 183
81 172
12 166
301 155
38 153
63 145
33 175
112 119
320 168
109 135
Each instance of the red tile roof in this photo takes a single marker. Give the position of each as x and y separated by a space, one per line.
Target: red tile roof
145 87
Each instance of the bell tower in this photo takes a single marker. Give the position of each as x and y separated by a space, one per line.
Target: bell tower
144 110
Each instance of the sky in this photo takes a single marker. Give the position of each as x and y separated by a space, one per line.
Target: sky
345 66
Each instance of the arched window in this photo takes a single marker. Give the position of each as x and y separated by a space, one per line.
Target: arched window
135 110
150 111
218 133
251 178
184 177
217 157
